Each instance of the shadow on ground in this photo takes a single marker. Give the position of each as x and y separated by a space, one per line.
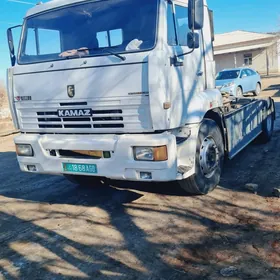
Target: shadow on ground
275 87
52 229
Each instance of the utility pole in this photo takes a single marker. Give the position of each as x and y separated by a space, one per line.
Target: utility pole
267 62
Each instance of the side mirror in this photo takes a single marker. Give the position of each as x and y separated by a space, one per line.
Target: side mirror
193 40
244 76
11 44
196 14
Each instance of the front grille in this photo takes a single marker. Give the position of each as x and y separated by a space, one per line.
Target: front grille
109 115
114 121
73 104
73 154
50 126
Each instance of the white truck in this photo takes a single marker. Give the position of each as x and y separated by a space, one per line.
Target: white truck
125 89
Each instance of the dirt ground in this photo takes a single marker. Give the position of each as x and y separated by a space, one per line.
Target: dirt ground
51 229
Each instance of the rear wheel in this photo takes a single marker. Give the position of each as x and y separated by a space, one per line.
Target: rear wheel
209 160
239 92
257 91
267 129
84 180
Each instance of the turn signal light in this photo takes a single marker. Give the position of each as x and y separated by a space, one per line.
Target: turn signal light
160 153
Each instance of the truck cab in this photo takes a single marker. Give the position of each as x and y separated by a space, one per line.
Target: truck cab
119 89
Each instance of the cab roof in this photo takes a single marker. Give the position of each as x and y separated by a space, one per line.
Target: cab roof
60 3
51 5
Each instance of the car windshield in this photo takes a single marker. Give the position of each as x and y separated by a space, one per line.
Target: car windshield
118 26
228 75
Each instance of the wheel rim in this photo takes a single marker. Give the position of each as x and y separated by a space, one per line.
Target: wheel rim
239 91
209 157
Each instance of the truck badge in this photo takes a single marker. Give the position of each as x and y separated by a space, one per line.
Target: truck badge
71 91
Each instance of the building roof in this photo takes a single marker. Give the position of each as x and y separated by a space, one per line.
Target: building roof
242 48
239 36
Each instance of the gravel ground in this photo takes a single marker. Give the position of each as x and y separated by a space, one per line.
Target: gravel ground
51 229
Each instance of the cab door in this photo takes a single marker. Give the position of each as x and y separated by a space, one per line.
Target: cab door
193 68
252 79
188 75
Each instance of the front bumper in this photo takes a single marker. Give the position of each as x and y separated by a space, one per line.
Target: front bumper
120 166
231 90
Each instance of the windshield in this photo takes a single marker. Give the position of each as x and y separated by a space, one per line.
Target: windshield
89 29
228 75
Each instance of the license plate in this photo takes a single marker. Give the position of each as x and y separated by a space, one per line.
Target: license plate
79 168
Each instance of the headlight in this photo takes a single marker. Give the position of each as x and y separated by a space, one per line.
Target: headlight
24 150
150 153
228 84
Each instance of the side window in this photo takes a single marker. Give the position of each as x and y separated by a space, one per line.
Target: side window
182 24
243 73
252 72
248 72
171 33
111 38
49 41
30 48
248 59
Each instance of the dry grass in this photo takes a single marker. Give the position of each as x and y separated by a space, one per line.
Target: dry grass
5 117
3 95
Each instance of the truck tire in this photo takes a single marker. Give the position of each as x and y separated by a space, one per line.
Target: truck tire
208 162
83 180
267 129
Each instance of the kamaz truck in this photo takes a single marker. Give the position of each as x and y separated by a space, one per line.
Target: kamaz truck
125 90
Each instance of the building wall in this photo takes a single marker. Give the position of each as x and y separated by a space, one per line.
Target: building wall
259 60
224 61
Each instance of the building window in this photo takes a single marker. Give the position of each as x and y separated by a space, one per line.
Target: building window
248 59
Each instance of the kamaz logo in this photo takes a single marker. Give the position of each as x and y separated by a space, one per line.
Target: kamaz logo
70 113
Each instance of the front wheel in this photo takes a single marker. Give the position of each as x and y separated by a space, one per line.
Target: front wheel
239 92
209 160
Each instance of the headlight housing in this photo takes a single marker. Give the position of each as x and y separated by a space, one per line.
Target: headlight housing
228 84
150 153
24 150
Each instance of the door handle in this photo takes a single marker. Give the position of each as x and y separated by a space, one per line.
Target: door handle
199 74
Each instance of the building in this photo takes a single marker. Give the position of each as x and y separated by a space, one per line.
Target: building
260 51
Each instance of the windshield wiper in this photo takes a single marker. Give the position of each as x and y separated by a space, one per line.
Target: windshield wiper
123 58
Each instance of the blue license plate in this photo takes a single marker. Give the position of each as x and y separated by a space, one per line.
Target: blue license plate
79 168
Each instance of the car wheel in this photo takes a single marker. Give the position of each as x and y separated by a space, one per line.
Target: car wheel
239 92
258 90
209 160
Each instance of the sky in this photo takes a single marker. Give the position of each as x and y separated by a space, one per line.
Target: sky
249 15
